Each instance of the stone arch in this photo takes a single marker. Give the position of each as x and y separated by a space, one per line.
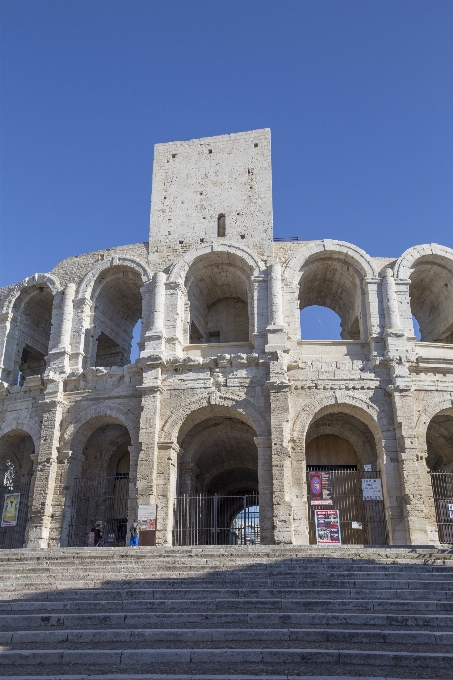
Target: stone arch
356 406
85 287
430 410
36 280
428 271
337 249
411 256
28 425
75 436
331 274
215 404
179 269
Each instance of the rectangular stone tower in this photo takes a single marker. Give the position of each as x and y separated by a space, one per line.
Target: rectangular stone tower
212 188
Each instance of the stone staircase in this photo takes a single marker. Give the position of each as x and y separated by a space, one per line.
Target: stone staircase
229 612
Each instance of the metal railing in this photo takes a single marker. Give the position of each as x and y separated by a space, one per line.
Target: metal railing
442 485
361 522
216 520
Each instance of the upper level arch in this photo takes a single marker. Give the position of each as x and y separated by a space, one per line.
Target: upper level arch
332 274
429 268
220 294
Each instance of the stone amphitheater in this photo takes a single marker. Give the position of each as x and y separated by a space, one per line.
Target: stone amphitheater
219 425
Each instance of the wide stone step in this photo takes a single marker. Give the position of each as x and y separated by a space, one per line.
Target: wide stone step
197 658
154 620
230 604
186 593
226 635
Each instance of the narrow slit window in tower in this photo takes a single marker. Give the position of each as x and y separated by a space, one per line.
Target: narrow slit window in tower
221 225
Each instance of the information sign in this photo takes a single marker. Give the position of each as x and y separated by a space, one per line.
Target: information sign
10 510
320 488
372 490
356 525
328 527
147 517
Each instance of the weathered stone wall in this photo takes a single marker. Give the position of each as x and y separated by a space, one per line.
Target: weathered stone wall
226 394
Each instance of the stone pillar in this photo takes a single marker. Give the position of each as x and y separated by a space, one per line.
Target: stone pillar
260 305
174 317
58 357
166 479
155 335
276 332
390 302
281 454
265 489
38 528
299 486
146 463
7 327
69 468
78 360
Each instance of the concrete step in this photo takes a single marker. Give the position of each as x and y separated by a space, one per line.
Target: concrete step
226 635
197 658
155 620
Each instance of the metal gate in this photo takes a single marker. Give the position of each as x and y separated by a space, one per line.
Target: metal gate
442 485
216 520
14 537
361 522
101 501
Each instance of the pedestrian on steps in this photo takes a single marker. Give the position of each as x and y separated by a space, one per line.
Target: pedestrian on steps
134 534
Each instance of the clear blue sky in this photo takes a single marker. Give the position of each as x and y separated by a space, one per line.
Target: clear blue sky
358 95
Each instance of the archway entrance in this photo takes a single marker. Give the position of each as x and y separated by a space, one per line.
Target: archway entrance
439 443
100 492
342 447
217 502
16 467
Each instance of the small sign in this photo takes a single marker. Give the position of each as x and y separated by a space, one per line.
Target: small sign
368 468
356 525
372 490
147 517
328 527
10 510
320 488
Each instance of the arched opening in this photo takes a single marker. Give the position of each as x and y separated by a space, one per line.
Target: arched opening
33 310
221 225
333 284
342 446
220 300
100 489
218 482
117 310
439 444
431 296
16 468
320 323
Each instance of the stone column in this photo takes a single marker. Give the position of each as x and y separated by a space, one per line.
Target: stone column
58 357
38 527
166 478
146 462
390 302
174 316
276 332
69 468
265 489
281 454
260 304
78 360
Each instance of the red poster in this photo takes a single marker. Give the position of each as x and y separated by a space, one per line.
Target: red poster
328 527
320 488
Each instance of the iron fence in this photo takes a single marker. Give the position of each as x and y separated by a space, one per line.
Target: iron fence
361 522
442 485
14 537
216 520
101 501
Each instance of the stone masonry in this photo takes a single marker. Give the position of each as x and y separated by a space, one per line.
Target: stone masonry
227 396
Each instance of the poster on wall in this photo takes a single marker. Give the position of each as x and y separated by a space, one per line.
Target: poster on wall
372 490
10 510
320 488
147 517
328 527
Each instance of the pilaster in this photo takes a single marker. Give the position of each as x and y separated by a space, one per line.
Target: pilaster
265 488
166 478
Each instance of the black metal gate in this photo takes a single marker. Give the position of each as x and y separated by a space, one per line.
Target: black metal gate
100 501
216 520
442 485
361 522
14 537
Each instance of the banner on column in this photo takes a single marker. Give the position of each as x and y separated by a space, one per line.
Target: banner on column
147 521
320 488
328 527
10 510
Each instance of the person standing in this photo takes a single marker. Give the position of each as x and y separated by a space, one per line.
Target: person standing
134 534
